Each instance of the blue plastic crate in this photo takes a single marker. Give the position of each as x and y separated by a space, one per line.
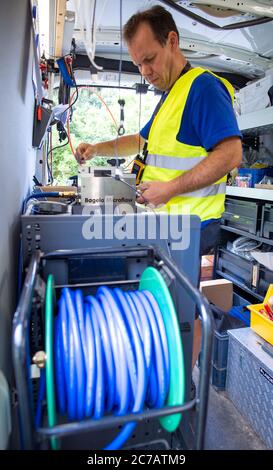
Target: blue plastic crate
257 174
220 349
239 309
269 171
218 377
241 313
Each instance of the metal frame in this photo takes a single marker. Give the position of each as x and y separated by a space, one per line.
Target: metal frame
20 348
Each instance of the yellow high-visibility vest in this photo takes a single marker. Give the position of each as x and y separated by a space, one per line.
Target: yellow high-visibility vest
167 158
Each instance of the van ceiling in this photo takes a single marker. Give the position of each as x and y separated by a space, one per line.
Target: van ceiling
246 51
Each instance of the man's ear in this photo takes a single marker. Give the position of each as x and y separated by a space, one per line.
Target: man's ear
173 39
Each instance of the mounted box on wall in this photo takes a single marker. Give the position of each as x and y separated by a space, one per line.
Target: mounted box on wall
41 122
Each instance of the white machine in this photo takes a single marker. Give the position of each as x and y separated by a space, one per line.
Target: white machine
101 186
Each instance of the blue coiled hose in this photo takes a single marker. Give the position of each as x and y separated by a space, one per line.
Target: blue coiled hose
111 355
39 195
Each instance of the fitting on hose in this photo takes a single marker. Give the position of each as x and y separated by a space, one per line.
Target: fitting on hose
39 359
121 129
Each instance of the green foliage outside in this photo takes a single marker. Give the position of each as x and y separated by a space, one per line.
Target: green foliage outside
91 122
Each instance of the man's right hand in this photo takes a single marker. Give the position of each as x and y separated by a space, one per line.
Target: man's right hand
84 152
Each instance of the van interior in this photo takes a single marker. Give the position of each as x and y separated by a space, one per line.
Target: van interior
54 52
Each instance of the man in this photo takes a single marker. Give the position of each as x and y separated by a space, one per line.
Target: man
193 137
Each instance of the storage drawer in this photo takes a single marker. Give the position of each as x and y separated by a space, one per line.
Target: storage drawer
267 221
237 267
243 215
265 277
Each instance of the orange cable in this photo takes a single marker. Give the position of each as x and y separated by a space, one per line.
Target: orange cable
68 115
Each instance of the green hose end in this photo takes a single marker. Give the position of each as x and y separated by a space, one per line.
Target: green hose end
49 327
152 281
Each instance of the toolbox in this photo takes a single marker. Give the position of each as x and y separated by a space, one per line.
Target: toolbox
250 381
264 279
238 268
243 215
267 221
260 321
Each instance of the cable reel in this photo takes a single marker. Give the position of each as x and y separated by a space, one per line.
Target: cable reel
115 352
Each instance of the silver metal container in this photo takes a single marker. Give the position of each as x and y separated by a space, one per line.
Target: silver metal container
108 186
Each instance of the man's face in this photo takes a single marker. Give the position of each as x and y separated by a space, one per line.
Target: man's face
155 62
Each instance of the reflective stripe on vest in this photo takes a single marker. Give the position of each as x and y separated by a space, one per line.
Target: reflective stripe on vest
212 190
168 158
173 163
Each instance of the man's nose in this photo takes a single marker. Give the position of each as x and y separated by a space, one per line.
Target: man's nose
146 70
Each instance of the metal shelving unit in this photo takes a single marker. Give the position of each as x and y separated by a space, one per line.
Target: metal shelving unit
250 193
247 234
259 122
256 123
239 284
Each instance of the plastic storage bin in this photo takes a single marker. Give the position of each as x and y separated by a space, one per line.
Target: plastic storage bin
267 221
220 349
241 313
219 360
223 322
265 278
256 175
235 266
240 310
260 322
243 215
218 378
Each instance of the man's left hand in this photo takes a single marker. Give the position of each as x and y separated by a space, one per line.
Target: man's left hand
155 193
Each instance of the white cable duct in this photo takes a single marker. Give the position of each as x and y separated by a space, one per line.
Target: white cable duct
85 13
254 7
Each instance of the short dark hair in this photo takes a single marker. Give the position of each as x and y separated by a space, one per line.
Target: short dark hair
159 19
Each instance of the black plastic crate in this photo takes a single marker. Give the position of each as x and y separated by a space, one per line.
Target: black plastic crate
242 214
220 349
238 268
267 221
223 323
265 277
218 377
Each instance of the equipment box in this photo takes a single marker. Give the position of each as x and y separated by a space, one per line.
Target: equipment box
261 317
267 221
223 322
218 377
265 277
250 381
238 268
220 349
243 215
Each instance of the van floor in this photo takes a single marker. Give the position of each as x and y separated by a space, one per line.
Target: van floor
226 428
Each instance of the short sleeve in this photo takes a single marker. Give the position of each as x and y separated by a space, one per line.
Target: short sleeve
208 117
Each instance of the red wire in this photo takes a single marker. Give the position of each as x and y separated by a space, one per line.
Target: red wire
68 115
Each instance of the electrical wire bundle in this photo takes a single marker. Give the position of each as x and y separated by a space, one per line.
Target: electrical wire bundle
113 353
243 246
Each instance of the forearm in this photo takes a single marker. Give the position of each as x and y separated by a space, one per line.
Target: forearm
216 165
123 146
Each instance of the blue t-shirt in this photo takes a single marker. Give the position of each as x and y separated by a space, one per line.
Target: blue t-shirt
208 117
